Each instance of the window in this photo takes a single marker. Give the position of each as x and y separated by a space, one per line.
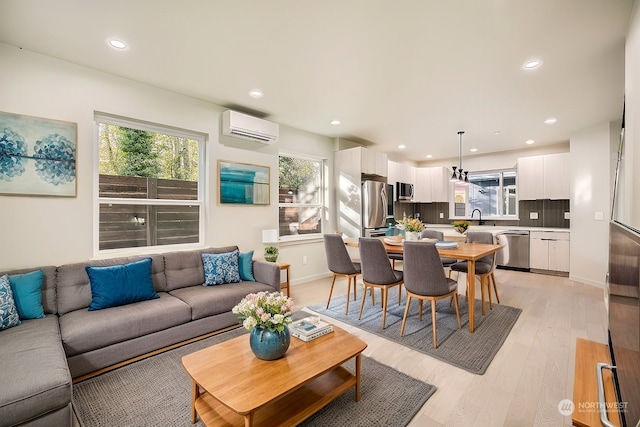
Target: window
149 184
493 193
300 195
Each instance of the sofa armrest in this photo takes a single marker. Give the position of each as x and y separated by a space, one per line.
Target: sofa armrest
267 273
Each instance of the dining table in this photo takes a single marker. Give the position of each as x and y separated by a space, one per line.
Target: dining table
470 252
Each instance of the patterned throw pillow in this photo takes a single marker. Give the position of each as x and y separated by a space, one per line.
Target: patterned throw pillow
220 268
8 312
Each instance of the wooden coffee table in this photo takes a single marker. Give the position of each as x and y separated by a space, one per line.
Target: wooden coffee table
232 387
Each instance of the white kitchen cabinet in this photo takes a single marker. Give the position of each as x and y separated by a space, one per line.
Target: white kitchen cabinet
431 185
549 250
556 176
373 162
530 178
422 186
544 177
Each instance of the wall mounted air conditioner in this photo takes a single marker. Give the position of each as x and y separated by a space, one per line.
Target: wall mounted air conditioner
243 126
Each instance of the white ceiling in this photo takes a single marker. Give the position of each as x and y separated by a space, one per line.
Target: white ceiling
410 72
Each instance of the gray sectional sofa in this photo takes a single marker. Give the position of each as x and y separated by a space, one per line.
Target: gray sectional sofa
42 356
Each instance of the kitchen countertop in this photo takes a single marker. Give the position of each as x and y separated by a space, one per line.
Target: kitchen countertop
448 230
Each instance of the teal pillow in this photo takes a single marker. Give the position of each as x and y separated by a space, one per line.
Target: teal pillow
245 266
220 268
121 284
8 313
27 293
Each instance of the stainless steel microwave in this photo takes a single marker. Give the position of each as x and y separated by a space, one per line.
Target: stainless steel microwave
404 191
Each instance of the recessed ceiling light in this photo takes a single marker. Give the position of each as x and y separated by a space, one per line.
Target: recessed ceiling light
335 122
529 65
428 156
530 141
117 44
550 120
473 150
256 93
402 146
497 132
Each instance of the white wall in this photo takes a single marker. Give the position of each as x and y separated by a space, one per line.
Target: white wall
591 153
51 231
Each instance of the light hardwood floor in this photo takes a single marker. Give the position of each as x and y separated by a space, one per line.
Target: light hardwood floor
530 375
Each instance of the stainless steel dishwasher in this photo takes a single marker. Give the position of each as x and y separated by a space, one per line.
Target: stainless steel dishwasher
515 254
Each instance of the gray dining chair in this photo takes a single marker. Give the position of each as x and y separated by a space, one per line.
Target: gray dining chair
484 268
377 272
424 279
341 265
439 235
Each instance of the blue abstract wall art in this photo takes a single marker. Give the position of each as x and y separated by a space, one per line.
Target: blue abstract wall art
242 183
37 156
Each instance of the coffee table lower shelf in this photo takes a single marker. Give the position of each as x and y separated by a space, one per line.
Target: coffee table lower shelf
289 410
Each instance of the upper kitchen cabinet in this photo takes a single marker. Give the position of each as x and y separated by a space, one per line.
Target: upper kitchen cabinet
544 177
431 185
370 162
401 172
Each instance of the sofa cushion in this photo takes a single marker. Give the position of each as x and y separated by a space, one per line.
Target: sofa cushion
245 266
35 367
84 330
185 268
8 312
74 289
120 284
27 293
210 300
220 268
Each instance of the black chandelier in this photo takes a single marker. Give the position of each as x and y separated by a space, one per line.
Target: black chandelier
459 175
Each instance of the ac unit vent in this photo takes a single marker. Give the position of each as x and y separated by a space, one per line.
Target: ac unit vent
243 126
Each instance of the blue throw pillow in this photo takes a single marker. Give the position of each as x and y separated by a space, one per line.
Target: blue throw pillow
245 265
8 313
121 284
27 293
220 268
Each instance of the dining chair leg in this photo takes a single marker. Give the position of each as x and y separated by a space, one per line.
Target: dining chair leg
495 288
482 293
364 297
455 297
331 290
385 298
406 313
433 321
488 284
420 310
399 293
355 286
346 310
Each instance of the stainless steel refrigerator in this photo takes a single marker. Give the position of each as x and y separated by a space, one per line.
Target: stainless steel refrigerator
374 207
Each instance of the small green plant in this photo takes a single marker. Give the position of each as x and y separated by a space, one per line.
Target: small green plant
271 253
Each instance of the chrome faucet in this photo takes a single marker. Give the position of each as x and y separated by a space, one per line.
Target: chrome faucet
480 222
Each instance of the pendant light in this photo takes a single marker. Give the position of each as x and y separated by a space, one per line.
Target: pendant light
460 175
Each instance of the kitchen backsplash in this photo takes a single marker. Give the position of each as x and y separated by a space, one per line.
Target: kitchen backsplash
550 213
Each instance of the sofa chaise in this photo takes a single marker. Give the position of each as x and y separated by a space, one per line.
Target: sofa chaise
43 356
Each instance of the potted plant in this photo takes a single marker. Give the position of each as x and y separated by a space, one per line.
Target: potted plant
271 253
461 226
266 315
412 227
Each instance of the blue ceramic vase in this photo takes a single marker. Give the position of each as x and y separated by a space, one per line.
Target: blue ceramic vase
268 345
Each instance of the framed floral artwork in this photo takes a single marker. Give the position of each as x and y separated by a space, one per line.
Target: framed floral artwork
37 156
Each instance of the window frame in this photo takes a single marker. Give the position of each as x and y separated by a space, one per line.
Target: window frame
201 138
322 194
501 215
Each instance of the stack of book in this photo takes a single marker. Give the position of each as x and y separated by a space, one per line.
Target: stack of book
309 328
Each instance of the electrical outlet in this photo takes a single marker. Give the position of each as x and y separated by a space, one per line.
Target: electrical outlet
304 259
533 215
441 215
599 216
